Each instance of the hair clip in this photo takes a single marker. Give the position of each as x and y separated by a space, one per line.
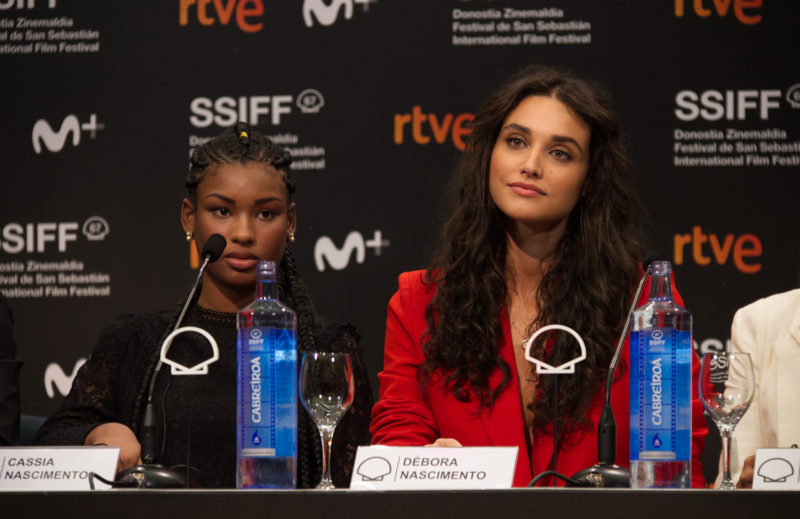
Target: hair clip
243 134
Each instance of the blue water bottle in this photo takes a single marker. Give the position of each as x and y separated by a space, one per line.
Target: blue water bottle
661 388
266 400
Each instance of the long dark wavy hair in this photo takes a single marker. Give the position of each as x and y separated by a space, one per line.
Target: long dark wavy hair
591 274
242 145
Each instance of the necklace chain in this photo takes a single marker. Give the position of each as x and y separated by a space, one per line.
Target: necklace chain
522 334
525 336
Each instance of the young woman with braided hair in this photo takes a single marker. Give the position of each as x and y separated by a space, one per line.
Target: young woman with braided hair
238 186
542 230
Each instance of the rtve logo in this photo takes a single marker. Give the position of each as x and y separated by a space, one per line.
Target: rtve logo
746 11
328 14
339 258
440 127
23 4
55 141
743 250
208 12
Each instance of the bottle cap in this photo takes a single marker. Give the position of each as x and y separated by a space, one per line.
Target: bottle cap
660 268
266 269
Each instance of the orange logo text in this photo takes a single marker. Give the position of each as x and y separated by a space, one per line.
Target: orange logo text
194 256
742 9
424 126
209 12
743 250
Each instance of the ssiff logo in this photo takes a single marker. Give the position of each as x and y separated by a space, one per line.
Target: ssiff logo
54 141
310 100
793 95
36 237
24 4
226 110
328 13
714 105
746 11
339 258
712 345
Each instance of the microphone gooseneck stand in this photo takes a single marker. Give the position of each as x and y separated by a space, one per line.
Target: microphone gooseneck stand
151 474
606 473
565 368
554 473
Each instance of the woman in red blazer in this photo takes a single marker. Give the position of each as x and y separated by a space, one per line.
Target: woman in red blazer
543 229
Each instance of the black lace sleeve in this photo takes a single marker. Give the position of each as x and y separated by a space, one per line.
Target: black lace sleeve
9 378
106 385
353 429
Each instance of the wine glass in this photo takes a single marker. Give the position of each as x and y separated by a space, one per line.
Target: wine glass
327 389
726 388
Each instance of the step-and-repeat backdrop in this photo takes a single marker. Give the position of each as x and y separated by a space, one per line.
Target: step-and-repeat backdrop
102 103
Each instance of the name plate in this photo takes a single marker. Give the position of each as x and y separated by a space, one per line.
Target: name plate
56 468
381 467
777 469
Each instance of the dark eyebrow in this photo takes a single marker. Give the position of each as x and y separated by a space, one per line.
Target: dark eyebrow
228 200
268 199
221 197
567 140
557 138
517 127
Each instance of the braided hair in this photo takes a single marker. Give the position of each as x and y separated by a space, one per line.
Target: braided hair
241 145
238 145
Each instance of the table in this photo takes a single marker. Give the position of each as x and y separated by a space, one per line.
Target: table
340 504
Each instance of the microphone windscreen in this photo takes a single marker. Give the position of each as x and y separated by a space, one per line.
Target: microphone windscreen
214 247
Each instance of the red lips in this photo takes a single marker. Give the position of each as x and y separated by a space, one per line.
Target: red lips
526 190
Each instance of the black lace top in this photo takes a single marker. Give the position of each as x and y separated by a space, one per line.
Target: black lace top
196 415
9 378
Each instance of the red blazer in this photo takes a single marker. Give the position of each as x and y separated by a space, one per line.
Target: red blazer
402 416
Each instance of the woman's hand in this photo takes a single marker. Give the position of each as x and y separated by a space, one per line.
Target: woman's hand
445 442
117 435
748 469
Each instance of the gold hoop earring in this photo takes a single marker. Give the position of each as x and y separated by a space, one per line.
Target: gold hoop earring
291 237
189 236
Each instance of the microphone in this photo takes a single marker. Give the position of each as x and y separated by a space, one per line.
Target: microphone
211 252
149 474
606 473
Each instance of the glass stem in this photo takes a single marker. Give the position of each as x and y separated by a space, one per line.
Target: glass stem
326 435
726 434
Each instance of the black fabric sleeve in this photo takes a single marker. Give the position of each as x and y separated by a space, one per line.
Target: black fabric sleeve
9 378
103 388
